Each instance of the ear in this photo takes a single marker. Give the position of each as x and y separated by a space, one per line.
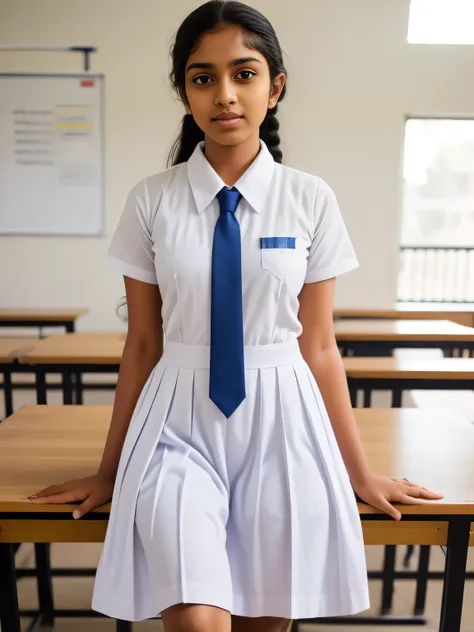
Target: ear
276 89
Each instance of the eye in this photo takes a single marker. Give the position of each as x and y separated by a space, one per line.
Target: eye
195 80
246 72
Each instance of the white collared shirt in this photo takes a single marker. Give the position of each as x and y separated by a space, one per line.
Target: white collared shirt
166 231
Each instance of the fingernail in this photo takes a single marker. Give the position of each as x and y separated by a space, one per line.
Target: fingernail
34 496
76 515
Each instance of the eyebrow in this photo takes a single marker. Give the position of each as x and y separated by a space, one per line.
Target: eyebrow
235 62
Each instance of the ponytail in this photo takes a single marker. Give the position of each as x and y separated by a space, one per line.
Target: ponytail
191 134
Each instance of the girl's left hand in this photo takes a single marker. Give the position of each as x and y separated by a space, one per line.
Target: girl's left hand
378 491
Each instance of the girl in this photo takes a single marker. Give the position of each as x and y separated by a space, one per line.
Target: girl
233 454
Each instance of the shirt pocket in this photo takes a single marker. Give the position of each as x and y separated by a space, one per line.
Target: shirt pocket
279 256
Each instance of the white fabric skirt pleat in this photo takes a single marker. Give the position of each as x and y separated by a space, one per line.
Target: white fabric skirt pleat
254 514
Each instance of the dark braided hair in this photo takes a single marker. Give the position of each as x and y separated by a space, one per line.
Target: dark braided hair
269 133
259 35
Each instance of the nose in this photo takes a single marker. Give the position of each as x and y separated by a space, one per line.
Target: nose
225 95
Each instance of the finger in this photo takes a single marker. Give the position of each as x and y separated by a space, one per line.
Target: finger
51 490
409 500
89 504
427 493
409 483
422 492
65 497
414 492
387 508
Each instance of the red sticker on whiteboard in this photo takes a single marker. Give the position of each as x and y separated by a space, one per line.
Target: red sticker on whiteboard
87 83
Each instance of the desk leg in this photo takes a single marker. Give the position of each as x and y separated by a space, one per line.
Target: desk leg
353 393
79 389
67 387
45 583
41 397
397 394
422 580
9 610
8 393
367 398
388 579
454 575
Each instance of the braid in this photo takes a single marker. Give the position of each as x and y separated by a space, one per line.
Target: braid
269 134
190 135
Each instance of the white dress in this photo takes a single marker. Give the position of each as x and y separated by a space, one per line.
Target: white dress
254 514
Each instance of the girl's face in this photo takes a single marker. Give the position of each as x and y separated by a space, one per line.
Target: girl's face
225 77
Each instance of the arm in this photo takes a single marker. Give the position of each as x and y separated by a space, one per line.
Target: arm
142 350
319 349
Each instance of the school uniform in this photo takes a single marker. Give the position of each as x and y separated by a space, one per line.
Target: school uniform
252 512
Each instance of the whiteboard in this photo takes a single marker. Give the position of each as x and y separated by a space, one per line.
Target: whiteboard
51 154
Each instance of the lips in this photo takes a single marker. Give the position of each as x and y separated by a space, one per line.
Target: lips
227 116
227 120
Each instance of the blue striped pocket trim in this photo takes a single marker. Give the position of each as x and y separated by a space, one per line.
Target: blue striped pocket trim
278 242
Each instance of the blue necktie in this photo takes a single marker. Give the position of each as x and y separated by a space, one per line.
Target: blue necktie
227 377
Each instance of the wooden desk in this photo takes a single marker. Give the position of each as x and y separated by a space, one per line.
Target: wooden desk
41 445
458 313
372 337
10 348
79 348
74 354
40 317
71 355
398 375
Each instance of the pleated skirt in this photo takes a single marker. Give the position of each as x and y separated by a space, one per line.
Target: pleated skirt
254 514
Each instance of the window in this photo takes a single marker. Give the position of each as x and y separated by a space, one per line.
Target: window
441 22
437 236
438 187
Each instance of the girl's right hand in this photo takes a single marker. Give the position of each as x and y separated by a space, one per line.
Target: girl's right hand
94 491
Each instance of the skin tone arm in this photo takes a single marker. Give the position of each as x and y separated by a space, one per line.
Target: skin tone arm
319 348
142 350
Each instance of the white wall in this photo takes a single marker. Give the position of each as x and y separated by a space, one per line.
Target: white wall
352 80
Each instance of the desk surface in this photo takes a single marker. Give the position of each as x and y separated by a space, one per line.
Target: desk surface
43 445
407 368
10 348
107 348
396 330
69 314
79 348
460 313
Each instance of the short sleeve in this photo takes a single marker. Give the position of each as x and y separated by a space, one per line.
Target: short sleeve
131 248
331 252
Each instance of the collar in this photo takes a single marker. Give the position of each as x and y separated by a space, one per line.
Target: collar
253 184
